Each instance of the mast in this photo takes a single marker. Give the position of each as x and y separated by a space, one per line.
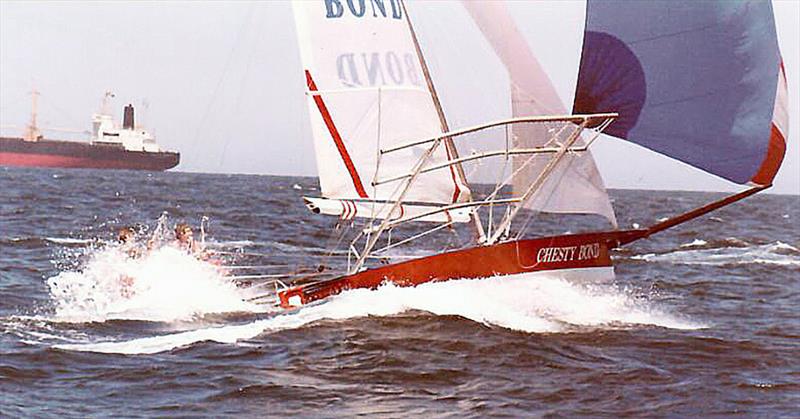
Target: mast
448 143
104 109
32 131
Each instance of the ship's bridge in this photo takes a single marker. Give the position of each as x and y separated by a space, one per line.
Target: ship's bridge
129 136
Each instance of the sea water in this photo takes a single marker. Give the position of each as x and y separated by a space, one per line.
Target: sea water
701 319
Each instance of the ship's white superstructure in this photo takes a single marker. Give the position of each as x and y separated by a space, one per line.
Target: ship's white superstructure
106 131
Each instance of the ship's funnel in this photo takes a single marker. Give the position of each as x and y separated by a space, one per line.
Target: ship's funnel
127 118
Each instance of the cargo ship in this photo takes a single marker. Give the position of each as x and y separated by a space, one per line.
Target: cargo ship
110 147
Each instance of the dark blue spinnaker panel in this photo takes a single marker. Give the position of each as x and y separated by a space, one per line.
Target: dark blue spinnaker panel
694 80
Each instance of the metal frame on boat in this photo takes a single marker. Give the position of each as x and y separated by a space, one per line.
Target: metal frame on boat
364 123
497 254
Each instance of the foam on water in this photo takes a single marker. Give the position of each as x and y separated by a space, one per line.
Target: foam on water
229 243
68 240
545 304
166 284
777 253
695 243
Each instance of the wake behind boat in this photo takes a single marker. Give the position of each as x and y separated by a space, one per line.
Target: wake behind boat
390 166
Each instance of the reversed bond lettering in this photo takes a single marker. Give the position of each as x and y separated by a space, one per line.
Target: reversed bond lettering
394 67
377 69
374 69
346 68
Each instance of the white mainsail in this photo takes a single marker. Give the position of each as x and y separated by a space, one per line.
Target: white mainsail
367 92
575 186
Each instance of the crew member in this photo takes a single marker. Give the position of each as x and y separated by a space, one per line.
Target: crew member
184 240
127 242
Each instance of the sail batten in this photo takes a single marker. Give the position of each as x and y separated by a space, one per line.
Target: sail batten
348 209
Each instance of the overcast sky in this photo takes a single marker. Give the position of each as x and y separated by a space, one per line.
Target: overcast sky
221 82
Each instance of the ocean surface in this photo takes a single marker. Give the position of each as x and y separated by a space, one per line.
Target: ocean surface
703 319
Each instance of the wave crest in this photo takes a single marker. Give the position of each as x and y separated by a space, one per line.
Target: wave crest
540 304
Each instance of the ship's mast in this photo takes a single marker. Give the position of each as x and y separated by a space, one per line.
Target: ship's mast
32 132
448 143
104 106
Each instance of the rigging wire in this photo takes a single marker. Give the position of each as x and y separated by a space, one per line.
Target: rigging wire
242 84
566 165
223 75
338 237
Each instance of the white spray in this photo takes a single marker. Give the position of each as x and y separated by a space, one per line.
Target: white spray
535 305
164 284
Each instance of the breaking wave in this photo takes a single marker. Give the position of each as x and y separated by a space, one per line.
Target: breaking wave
545 304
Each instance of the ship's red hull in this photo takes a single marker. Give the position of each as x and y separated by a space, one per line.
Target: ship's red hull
53 153
535 255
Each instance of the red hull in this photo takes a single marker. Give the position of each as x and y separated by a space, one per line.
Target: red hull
39 160
68 154
543 254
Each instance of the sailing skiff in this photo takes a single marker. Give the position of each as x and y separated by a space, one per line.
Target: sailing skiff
701 82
